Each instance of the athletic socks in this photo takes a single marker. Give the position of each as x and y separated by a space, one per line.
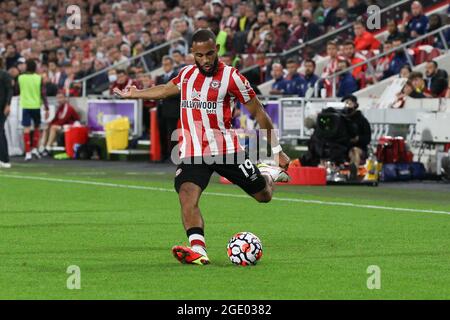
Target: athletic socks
197 240
36 135
27 141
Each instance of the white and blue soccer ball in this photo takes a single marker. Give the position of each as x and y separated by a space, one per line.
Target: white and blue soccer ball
244 249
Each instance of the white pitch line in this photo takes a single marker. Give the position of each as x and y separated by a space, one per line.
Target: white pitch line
318 202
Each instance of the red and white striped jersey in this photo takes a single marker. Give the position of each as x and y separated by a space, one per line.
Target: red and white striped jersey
206 108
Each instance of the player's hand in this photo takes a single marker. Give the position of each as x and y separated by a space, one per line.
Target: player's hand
7 111
128 92
46 114
282 159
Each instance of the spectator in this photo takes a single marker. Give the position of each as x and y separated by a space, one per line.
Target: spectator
6 93
55 76
118 59
65 116
11 55
281 36
419 85
342 18
383 63
182 27
407 91
228 20
405 71
331 67
355 9
32 94
98 83
168 110
347 83
309 76
398 60
394 32
280 85
418 24
331 20
310 29
317 11
295 84
123 81
435 22
349 54
178 59
436 79
62 59
364 40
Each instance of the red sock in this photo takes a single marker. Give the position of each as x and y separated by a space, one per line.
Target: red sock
36 135
26 139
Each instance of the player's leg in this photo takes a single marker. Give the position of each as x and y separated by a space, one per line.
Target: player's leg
36 115
190 181
242 172
26 124
54 129
355 155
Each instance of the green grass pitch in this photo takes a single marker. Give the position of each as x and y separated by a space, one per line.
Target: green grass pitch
121 239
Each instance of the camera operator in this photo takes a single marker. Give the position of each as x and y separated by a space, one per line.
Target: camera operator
359 142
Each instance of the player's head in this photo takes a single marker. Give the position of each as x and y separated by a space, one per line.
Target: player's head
31 66
60 98
204 49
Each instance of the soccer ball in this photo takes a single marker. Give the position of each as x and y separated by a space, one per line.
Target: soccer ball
244 249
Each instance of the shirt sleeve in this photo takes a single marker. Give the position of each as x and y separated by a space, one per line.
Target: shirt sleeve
177 80
240 87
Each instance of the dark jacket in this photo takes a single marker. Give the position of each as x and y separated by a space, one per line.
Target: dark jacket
6 90
347 85
362 129
169 107
438 83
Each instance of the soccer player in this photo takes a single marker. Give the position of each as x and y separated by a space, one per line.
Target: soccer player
32 94
209 90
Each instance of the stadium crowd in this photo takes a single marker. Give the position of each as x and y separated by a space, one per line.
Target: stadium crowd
111 32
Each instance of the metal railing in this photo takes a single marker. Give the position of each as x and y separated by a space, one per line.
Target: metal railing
393 11
369 61
140 56
323 39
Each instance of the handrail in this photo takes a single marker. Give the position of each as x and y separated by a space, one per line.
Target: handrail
324 36
380 55
113 66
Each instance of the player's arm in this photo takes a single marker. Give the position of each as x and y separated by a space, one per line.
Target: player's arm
257 111
154 93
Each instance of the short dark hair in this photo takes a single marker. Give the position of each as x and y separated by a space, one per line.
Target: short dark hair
310 61
121 71
433 62
168 58
349 43
291 61
203 35
31 65
177 51
414 75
